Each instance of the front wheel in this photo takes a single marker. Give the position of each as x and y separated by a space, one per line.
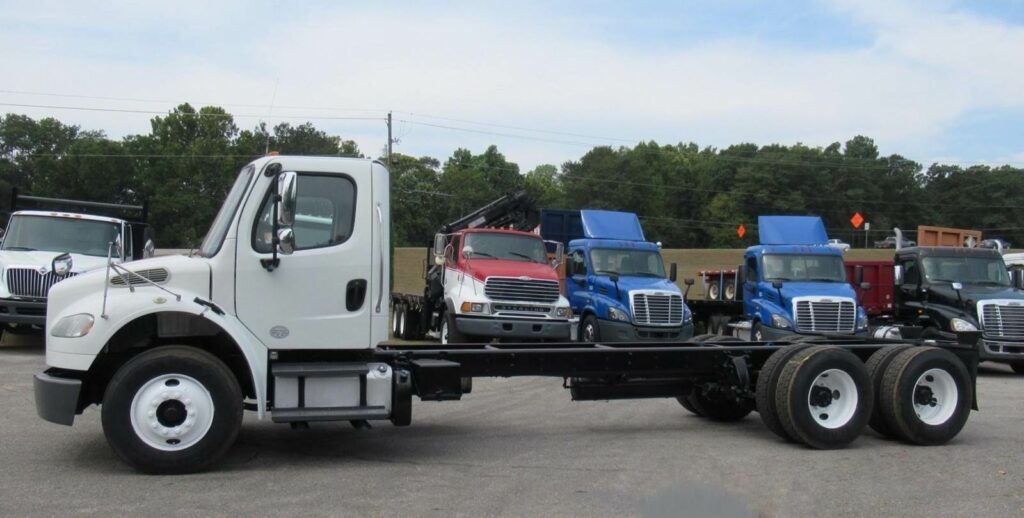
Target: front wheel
590 331
1017 367
172 410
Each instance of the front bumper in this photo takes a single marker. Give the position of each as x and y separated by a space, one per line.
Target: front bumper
513 328
56 397
614 331
15 311
993 350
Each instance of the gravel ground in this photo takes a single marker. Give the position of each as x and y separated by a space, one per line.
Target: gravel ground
520 447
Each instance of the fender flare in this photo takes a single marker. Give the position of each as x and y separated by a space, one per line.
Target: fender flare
254 351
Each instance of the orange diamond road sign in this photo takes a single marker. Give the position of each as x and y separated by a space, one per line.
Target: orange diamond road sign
857 220
741 231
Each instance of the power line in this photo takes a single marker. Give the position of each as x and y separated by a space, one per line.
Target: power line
498 134
186 114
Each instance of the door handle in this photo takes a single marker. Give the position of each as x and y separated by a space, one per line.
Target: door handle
355 294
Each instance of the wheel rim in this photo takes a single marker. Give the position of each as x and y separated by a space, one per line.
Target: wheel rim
444 332
935 397
394 320
758 337
172 412
713 291
588 332
730 292
401 324
832 399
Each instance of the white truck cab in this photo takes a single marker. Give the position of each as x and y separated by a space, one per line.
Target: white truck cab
41 248
309 273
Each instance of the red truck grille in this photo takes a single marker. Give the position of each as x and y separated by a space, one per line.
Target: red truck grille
522 290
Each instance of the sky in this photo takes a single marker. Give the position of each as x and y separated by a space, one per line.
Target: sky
934 81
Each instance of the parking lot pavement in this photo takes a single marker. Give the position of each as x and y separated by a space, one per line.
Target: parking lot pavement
520 447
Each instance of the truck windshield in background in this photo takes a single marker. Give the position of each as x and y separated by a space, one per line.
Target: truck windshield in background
809 268
56 234
513 247
637 263
967 270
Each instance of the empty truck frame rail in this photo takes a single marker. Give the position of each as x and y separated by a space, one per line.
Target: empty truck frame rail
287 320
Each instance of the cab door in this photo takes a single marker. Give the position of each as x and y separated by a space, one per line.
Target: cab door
319 295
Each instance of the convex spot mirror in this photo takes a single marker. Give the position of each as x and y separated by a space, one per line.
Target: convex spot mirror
61 264
467 251
287 192
285 240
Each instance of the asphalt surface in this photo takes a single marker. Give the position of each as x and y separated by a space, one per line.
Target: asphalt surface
520 447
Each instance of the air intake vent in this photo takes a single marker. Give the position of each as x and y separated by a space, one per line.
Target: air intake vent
155 275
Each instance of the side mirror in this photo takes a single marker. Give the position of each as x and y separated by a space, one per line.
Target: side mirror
61 265
288 194
673 271
118 247
149 249
858 274
865 286
741 274
688 282
467 251
614 277
286 240
958 286
1015 278
777 284
898 274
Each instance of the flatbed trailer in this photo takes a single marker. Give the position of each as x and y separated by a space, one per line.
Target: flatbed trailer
284 332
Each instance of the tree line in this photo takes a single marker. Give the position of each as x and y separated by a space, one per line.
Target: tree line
687 196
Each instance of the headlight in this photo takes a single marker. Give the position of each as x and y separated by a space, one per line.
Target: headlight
960 325
563 312
474 307
616 314
781 322
862 321
687 315
61 265
73 326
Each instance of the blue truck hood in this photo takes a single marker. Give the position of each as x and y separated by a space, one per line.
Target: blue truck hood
791 230
812 289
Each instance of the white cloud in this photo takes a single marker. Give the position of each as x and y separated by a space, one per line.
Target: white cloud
926 67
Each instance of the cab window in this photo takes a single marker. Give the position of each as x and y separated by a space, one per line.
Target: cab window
577 264
324 213
752 269
911 273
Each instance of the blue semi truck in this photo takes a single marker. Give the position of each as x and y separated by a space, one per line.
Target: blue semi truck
616 280
792 282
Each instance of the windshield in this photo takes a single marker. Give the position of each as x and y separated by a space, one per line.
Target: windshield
638 263
815 268
506 246
966 270
219 228
55 234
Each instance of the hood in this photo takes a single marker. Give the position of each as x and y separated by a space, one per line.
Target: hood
970 295
481 269
793 289
630 283
38 258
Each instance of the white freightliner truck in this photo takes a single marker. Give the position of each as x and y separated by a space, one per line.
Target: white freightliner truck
49 240
284 312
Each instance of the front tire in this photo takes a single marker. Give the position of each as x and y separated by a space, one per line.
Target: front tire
450 331
172 410
1018 367
590 331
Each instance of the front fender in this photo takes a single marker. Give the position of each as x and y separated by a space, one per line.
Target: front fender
124 307
764 309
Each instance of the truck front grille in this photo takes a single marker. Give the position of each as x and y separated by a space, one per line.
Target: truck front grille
28 282
813 316
1002 320
657 309
523 290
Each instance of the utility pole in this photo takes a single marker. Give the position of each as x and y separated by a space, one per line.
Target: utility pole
390 140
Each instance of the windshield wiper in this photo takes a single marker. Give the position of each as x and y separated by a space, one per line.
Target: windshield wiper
20 248
524 256
823 279
606 272
483 254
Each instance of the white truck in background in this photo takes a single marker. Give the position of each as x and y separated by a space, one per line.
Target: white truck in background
288 321
49 240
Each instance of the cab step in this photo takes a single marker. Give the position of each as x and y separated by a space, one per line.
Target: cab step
312 414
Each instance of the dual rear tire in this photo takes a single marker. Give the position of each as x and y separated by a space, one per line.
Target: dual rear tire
824 396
